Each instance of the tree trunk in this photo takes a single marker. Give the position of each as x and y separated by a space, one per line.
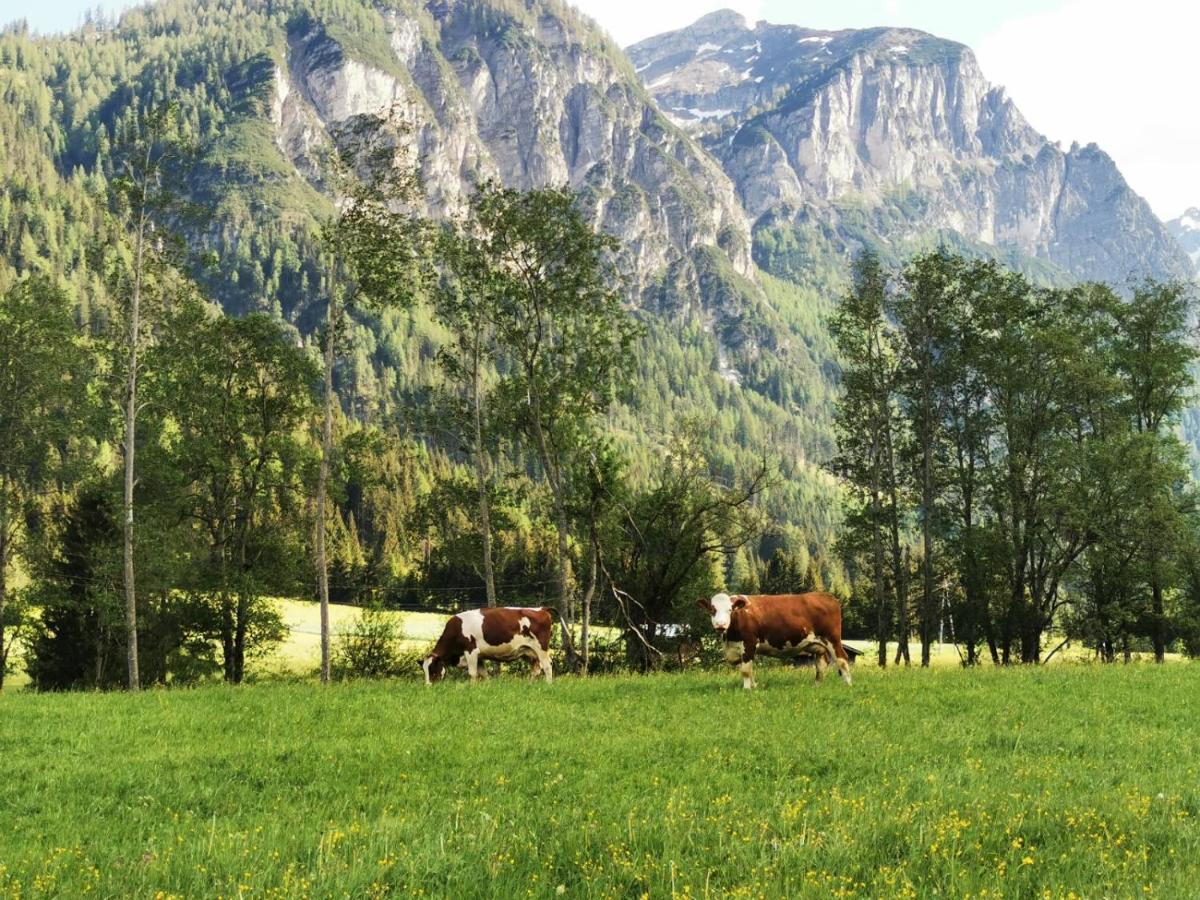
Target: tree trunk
899 564
884 620
990 637
101 642
331 327
560 520
3 576
239 638
1160 618
131 648
483 480
588 595
977 618
564 580
927 602
227 650
1031 645
219 552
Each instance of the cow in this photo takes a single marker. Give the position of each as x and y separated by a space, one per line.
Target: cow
779 625
500 633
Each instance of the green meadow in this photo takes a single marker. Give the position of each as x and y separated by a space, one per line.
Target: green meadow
1065 781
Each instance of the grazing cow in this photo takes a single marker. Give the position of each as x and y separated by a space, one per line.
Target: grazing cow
779 625
500 633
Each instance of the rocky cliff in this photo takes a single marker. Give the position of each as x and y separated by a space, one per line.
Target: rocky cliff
1186 230
530 95
894 135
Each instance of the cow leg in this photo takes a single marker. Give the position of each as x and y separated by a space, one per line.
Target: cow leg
473 665
748 666
748 674
822 660
543 663
535 667
843 661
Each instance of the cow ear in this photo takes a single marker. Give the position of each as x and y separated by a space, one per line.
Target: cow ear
704 605
741 601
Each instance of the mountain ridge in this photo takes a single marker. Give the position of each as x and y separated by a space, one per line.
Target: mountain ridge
819 124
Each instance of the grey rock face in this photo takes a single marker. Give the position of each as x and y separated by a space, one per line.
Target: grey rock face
530 100
822 125
1186 230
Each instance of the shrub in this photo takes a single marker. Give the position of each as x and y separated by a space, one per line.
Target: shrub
371 647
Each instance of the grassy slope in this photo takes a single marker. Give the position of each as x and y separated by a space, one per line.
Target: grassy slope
1074 778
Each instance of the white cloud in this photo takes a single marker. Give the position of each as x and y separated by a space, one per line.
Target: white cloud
1119 74
629 21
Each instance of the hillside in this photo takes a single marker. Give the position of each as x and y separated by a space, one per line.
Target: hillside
736 228
908 783
531 95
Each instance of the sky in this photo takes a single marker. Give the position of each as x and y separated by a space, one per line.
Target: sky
1112 72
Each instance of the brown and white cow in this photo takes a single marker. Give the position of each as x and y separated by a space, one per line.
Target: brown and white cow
501 633
779 625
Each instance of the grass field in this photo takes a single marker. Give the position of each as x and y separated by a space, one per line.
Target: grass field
1074 780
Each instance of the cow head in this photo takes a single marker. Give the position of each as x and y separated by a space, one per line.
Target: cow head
721 608
433 667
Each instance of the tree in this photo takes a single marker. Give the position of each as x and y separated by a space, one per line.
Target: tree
467 303
599 478
42 362
1141 537
867 427
563 331
141 196
376 253
967 429
78 589
235 392
667 532
922 309
1048 368
1155 355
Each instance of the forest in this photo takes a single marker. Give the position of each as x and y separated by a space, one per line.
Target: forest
201 413
167 475
1013 461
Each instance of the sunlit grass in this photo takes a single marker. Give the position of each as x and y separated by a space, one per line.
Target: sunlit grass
1075 779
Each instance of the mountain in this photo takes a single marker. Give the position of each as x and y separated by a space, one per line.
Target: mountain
1186 230
892 136
739 168
528 94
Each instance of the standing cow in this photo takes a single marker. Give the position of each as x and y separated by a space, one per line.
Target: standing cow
501 633
779 625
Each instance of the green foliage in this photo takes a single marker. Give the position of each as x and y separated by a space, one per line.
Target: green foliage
43 377
1029 426
231 394
672 536
371 647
